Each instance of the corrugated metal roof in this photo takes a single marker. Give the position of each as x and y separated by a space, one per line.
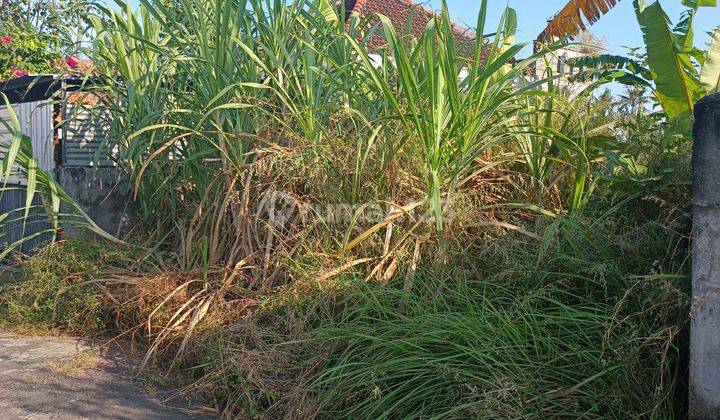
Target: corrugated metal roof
38 87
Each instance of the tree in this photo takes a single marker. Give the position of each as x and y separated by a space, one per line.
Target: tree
35 35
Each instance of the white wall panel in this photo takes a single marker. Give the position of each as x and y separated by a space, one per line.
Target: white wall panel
36 122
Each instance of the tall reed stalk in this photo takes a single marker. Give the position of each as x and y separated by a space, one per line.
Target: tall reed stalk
203 92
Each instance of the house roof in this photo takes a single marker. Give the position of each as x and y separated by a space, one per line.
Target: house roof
29 88
407 17
71 72
39 87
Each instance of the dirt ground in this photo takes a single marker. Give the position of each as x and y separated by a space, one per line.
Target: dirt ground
67 378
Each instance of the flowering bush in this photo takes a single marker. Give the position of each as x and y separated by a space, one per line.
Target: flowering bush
15 72
72 62
33 37
23 50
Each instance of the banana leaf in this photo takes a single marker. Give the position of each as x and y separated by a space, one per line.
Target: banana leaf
677 84
710 74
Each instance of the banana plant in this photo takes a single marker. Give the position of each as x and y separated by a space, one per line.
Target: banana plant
671 59
710 74
674 69
569 21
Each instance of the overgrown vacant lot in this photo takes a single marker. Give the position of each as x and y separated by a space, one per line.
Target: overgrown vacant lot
513 328
322 233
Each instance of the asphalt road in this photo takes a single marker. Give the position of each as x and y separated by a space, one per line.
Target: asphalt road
66 378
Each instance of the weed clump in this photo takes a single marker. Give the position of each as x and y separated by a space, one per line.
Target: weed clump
54 290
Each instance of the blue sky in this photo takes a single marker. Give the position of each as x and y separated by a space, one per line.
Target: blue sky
619 27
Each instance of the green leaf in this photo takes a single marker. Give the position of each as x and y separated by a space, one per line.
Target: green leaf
11 155
710 74
677 86
31 185
699 3
327 11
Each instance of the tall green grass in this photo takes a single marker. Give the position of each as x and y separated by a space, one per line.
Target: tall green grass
533 331
209 90
217 104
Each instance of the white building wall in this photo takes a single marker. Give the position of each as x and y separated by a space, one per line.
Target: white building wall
556 63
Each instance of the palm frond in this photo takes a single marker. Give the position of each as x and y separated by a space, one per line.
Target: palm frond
569 21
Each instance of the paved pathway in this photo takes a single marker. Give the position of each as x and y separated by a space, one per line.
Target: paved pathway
65 378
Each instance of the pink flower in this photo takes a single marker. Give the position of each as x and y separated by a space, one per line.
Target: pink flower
72 62
5 3
6 40
17 73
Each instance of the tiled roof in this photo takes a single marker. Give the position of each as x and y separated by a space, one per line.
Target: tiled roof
400 12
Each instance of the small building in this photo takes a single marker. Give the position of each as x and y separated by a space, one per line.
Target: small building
562 63
67 128
561 66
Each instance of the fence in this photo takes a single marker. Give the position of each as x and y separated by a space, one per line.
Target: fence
36 122
72 152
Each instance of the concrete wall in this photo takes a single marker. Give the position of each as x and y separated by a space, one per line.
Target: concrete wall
107 200
705 319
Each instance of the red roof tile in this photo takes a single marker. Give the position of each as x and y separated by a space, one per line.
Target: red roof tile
400 13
